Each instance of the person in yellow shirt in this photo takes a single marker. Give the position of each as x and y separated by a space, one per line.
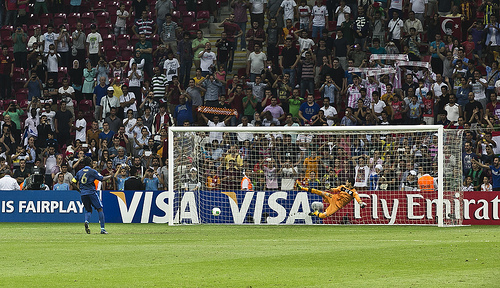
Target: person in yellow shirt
343 195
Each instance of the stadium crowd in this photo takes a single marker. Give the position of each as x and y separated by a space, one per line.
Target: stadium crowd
107 79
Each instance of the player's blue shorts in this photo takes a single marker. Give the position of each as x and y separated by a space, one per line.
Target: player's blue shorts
91 200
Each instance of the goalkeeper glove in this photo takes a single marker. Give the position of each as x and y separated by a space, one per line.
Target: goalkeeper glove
362 204
297 183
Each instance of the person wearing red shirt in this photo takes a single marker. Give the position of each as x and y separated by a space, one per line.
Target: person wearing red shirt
6 73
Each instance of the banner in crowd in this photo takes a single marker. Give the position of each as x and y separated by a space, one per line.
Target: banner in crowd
496 137
396 57
238 207
217 111
451 26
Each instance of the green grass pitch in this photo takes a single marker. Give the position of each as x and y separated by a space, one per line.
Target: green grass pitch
147 255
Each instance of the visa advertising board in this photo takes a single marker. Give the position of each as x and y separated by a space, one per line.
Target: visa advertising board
241 207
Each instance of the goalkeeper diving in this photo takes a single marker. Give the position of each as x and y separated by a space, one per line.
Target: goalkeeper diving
338 198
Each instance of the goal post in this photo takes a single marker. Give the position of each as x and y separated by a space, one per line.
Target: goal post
409 175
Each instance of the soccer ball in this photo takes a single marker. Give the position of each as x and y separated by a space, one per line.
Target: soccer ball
216 211
317 206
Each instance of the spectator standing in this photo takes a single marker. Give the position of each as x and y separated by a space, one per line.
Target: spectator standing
256 62
308 109
121 20
319 19
185 56
146 48
144 25
168 32
207 60
233 31
257 8
162 8
198 45
240 18
62 123
94 45
288 60
20 39
63 47
171 66
255 35
78 39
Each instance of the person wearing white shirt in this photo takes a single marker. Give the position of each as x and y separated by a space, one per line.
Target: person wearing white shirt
49 38
341 10
127 102
395 29
289 9
330 112
67 94
377 105
256 62
319 21
305 43
94 45
207 59
171 66
242 136
7 183
81 127
215 123
52 59
109 102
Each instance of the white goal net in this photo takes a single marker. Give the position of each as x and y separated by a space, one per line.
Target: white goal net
409 175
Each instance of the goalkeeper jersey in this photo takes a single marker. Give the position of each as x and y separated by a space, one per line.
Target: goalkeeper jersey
346 194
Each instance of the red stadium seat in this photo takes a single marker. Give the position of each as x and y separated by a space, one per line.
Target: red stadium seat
85 105
87 18
122 41
59 18
111 52
102 18
108 40
127 53
134 40
203 15
6 31
22 94
188 17
98 6
7 41
105 29
18 72
63 71
23 103
192 28
176 16
72 19
45 19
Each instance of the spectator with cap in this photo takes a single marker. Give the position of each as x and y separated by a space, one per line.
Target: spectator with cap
109 102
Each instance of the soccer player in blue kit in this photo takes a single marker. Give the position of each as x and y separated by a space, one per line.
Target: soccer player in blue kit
84 183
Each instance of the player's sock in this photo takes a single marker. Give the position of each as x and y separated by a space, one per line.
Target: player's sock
87 216
101 219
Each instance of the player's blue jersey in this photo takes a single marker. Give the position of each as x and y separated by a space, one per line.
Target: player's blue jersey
86 178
